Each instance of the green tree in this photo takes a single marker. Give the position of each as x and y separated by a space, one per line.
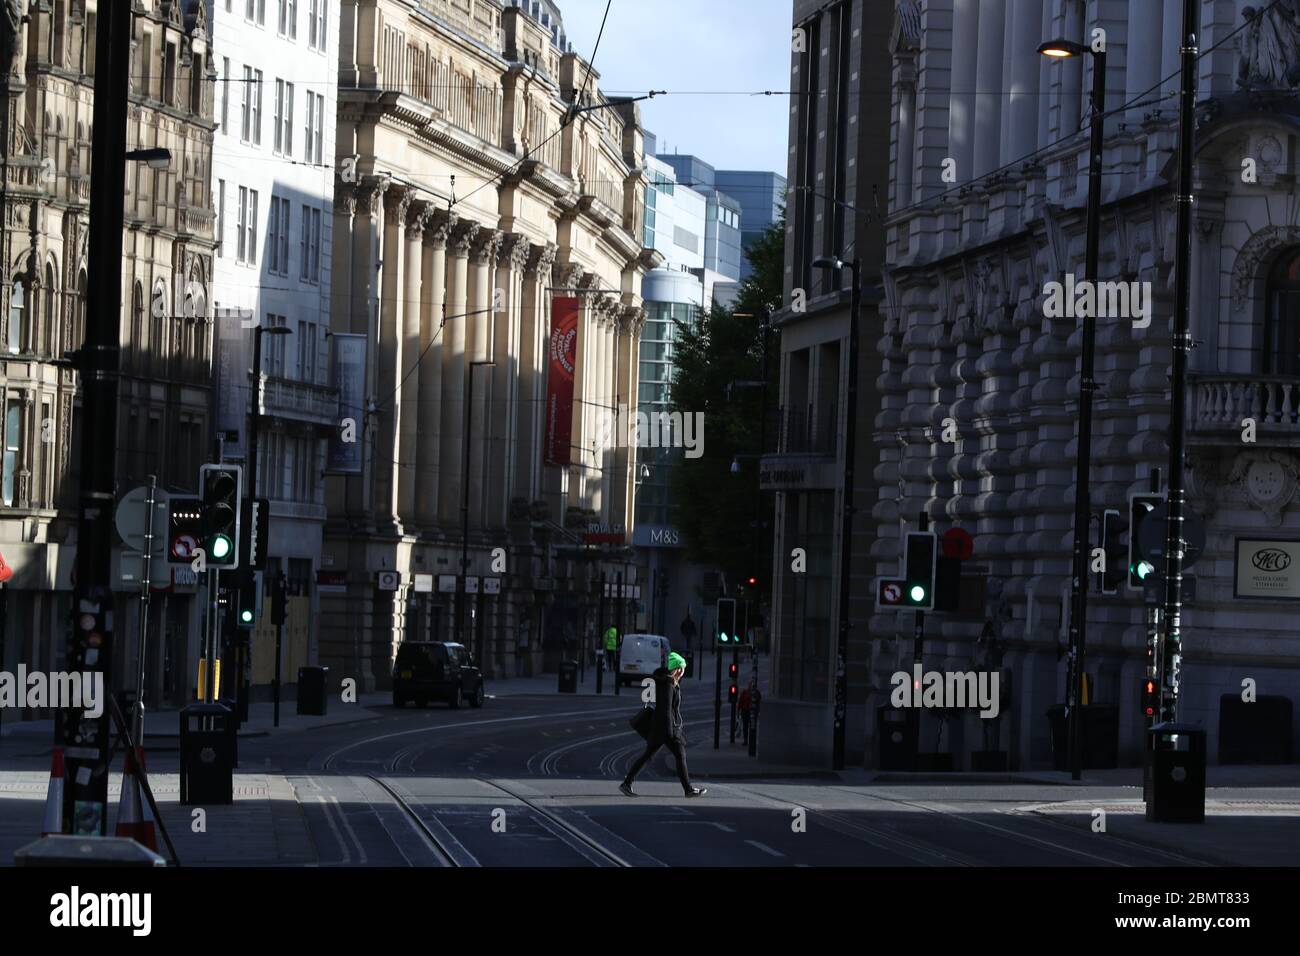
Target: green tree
721 516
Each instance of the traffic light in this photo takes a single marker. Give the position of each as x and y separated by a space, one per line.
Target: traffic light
919 562
221 509
279 600
1115 568
184 529
947 584
731 682
1150 696
727 622
1140 565
246 595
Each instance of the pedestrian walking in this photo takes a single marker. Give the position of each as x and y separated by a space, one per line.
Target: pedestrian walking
666 729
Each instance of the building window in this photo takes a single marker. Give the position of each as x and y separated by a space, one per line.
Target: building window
137 326
225 95
315 128
169 75
16 318
306 351
310 244
283 118
255 11
12 442
49 311
288 19
251 131
221 217
1282 316
246 226
277 247
316 12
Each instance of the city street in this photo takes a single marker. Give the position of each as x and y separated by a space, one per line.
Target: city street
531 780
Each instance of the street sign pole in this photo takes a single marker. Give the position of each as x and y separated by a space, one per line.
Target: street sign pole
146 581
918 640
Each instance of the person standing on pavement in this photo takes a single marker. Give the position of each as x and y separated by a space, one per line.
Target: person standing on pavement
666 730
611 648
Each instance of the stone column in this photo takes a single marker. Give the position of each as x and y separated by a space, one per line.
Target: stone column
414 321
961 108
1020 80
388 394
433 296
625 452
533 363
988 82
570 277
452 415
478 347
502 416
364 307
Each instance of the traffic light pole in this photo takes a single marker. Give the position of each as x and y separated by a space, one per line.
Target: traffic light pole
717 695
145 587
918 636
1172 655
1083 454
840 714
85 741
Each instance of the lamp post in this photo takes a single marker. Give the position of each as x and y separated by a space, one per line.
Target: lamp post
464 507
846 508
1064 49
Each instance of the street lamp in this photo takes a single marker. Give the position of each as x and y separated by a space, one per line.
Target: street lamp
1064 49
464 508
154 157
834 263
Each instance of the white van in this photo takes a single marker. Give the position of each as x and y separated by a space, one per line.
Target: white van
640 656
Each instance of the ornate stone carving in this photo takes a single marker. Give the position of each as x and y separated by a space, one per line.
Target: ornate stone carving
1252 254
441 223
1268 49
486 245
397 201
514 251
462 237
541 258
417 219
370 192
1267 478
570 275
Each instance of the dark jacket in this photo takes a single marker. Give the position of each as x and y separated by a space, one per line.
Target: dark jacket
668 710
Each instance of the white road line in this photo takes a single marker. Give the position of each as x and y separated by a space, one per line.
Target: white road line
765 848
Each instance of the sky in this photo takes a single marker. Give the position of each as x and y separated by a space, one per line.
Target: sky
696 45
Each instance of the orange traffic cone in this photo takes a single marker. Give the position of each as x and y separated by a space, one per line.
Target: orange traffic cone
134 819
54 797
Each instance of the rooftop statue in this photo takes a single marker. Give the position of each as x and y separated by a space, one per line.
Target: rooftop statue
1269 48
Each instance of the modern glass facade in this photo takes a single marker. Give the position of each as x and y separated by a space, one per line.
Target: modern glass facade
657 338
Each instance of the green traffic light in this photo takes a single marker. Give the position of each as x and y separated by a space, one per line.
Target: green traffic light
221 547
918 593
246 616
1144 569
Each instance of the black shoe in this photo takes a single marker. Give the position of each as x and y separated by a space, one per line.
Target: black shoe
697 791
627 789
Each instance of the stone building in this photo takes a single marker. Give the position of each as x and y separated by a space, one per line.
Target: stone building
966 338
166 335
464 204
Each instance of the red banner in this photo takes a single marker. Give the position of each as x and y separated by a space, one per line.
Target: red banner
559 383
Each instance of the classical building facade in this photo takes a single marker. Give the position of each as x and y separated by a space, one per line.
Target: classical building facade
464 204
968 342
272 182
163 420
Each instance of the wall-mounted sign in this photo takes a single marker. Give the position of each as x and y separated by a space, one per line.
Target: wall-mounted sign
491 585
446 584
331 582
348 374
423 583
1267 568
388 580
471 584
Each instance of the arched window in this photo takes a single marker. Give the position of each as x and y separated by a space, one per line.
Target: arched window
137 328
50 311
79 327
17 300
1282 316
157 312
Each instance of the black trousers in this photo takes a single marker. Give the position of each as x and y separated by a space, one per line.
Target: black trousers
679 754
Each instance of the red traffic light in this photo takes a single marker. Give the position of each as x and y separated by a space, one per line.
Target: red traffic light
731 671
1150 697
751 581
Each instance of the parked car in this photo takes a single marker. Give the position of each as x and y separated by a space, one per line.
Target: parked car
431 670
640 656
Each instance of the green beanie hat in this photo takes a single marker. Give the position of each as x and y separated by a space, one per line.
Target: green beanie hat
675 661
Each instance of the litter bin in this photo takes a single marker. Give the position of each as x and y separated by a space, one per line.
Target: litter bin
896 729
311 690
207 746
1176 772
568 677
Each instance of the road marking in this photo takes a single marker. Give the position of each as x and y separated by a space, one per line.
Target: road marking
765 848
